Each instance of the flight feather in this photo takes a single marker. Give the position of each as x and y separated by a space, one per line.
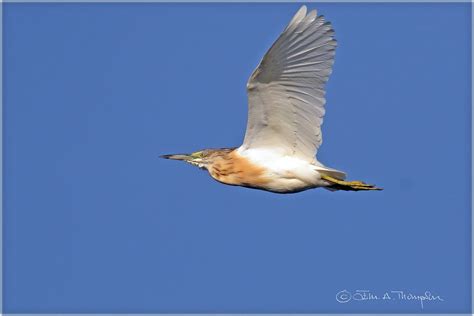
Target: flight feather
286 92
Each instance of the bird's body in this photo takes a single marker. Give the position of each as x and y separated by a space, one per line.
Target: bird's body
286 109
267 170
264 170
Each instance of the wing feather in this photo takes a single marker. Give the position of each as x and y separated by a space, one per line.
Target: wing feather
286 91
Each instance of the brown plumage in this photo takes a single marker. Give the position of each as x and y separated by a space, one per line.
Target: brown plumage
228 167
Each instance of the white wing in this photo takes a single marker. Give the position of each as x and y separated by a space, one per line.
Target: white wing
286 91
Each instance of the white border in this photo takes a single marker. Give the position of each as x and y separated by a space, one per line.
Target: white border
233 1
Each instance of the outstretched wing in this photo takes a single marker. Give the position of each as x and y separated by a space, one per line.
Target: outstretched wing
286 91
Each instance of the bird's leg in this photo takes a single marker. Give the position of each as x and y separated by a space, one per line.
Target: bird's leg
348 185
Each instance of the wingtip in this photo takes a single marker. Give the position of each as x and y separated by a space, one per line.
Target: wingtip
298 17
304 8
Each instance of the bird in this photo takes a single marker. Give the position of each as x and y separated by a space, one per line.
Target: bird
286 106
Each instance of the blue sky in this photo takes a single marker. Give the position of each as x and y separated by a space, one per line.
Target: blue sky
94 221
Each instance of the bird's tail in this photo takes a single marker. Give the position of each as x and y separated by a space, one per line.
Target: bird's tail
336 184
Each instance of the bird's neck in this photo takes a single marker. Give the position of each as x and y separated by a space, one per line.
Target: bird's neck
233 169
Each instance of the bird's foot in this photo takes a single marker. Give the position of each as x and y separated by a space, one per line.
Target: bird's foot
348 185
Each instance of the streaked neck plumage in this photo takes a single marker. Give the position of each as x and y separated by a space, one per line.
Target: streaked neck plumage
229 167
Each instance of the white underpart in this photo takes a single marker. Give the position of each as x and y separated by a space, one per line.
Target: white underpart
286 173
286 95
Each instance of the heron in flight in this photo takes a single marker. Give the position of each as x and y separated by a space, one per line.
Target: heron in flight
286 98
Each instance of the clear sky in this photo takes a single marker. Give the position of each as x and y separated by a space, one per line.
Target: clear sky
94 221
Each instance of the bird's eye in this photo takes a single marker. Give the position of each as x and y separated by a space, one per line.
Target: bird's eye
197 154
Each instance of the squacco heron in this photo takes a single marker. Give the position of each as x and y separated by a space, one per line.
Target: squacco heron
286 98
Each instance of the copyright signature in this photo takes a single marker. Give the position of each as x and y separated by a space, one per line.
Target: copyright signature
346 296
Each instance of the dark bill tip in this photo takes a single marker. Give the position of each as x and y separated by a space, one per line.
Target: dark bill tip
176 157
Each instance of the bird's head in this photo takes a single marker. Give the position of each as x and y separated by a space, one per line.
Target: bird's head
201 159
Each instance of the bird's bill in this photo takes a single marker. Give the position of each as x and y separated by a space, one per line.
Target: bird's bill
184 157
